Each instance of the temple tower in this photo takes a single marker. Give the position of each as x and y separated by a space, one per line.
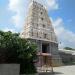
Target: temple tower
38 28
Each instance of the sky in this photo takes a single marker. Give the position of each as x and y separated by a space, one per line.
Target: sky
61 13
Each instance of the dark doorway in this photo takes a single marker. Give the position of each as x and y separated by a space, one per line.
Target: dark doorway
45 48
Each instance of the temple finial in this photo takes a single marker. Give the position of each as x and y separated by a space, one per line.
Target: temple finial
32 0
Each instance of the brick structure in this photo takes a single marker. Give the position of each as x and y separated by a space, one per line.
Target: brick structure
38 28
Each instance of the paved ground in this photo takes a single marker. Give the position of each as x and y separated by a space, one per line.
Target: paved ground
64 70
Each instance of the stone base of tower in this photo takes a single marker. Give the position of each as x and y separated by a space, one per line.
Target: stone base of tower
45 59
56 62
48 48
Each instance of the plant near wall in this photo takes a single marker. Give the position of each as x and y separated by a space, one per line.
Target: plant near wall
27 54
14 49
8 51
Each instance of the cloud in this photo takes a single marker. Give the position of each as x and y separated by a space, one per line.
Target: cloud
52 4
20 8
9 29
65 36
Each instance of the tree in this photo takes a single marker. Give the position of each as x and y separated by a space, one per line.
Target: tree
68 48
27 54
8 51
14 49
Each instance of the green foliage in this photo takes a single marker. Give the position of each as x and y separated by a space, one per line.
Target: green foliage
27 67
27 49
8 50
27 54
14 49
68 48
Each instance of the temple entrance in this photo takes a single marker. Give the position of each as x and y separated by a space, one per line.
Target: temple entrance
45 62
45 49
45 59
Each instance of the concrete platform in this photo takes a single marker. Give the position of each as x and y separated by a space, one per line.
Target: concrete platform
64 70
